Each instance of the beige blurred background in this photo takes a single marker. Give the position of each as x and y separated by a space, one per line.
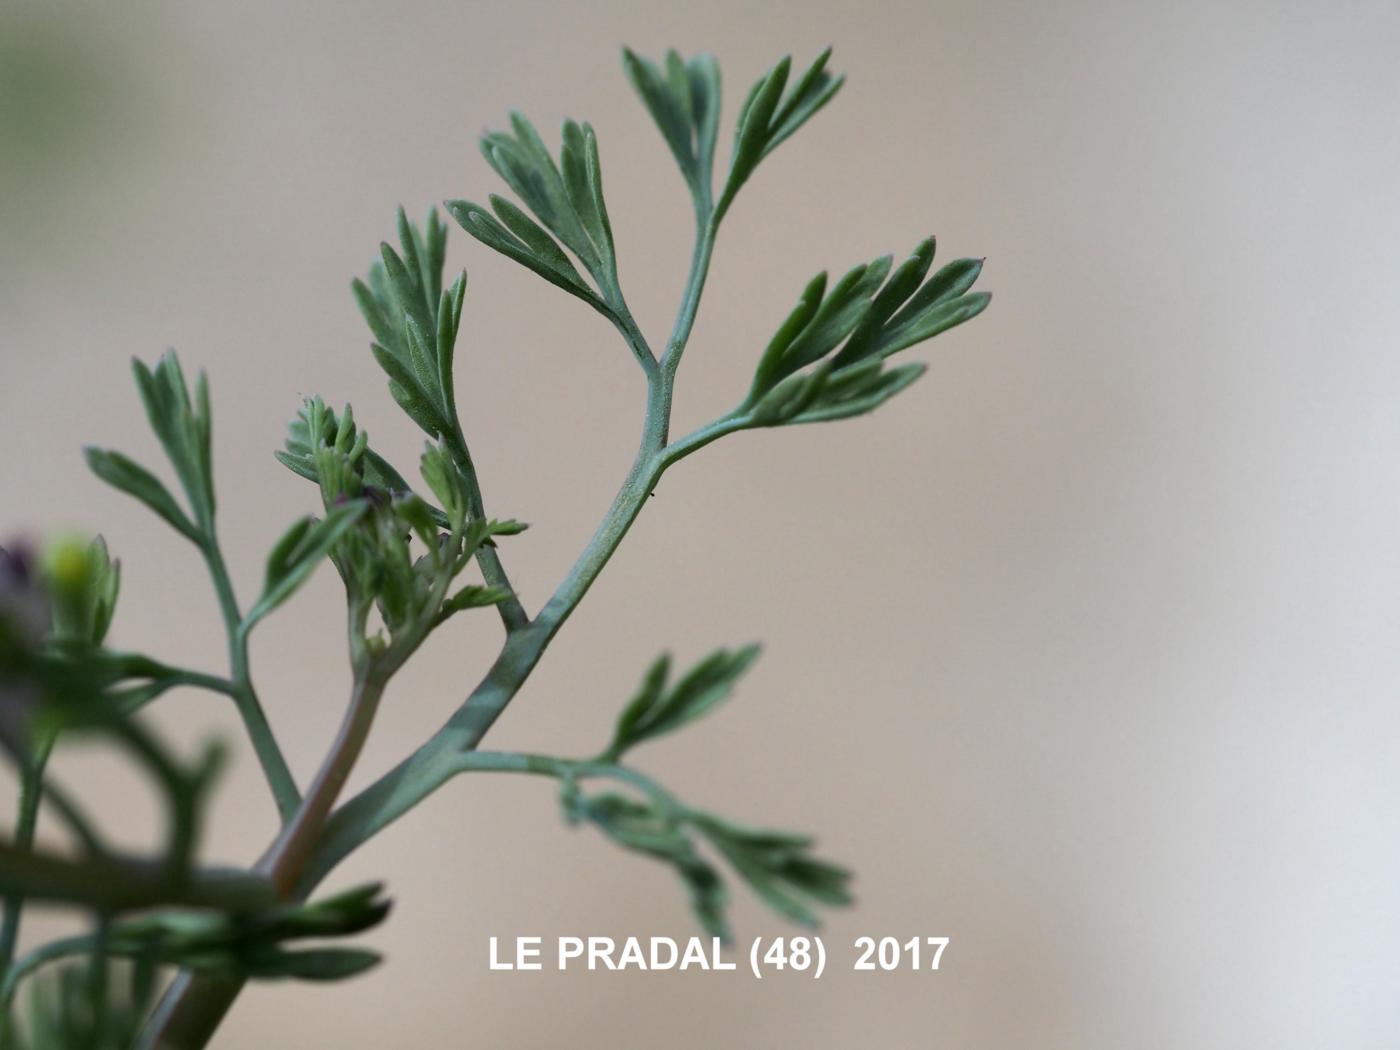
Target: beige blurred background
1083 651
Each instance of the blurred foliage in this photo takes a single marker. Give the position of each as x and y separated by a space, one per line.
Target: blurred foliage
75 108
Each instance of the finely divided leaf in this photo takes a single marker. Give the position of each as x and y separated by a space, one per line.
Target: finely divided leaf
487 229
684 101
778 868
296 555
769 116
414 321
874 311
657 709
474 596
135 480
182 425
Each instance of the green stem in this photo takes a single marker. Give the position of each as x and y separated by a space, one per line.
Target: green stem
72 814
436 761
31 781
283 862
702 436
512 612
180 791
115 884
245 698
81 944
706 226
565 768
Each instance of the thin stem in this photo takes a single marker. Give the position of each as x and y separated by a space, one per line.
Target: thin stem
82 944
245 698
284 860
31 780
702 436
626 325
71 814
199 680
565 768
512 612
706 226
132 699
97 971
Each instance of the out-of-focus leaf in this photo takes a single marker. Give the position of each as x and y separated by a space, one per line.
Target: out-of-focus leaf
657 709
474 596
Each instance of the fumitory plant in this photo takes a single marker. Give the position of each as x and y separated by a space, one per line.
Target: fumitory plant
414 557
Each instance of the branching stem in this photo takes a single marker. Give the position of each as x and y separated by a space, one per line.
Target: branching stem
193 1007
245 698
512 612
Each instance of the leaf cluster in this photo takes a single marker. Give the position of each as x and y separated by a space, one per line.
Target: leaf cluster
100 1003
401 556
683 98
317 426
777 866
182 424
415 321
256 944
847 332
395 551
568 209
